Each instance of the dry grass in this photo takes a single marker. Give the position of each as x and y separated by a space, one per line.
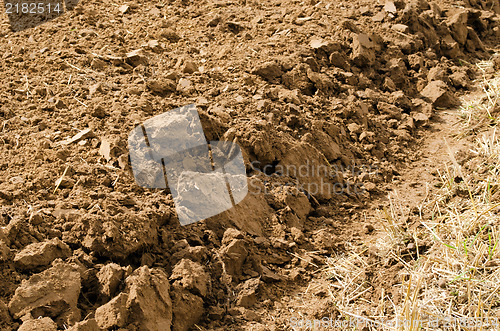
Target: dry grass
450 275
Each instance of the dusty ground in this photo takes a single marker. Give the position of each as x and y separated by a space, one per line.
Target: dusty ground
356 87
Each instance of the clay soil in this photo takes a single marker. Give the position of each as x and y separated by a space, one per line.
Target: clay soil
357 87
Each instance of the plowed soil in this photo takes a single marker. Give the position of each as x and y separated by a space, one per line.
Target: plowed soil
355 87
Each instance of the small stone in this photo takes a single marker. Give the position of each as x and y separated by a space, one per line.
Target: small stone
172 75
153 44
189 67
415 61
370 187
233 27
339 60
41 91
399 99
123 9
423 106
17 180
214 21
324 240
407 124
65 182
6 195
87 33
321 81
123 162
296 274
369 228
155 11
216 313
354 128
389 84
400 28
411 246
365 10
84 134
302 20
235 311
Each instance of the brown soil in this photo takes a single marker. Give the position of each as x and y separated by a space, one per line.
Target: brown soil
358 87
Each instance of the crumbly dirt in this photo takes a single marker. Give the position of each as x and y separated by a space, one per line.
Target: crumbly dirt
353 86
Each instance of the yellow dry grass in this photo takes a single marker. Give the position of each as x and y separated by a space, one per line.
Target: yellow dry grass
455 283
